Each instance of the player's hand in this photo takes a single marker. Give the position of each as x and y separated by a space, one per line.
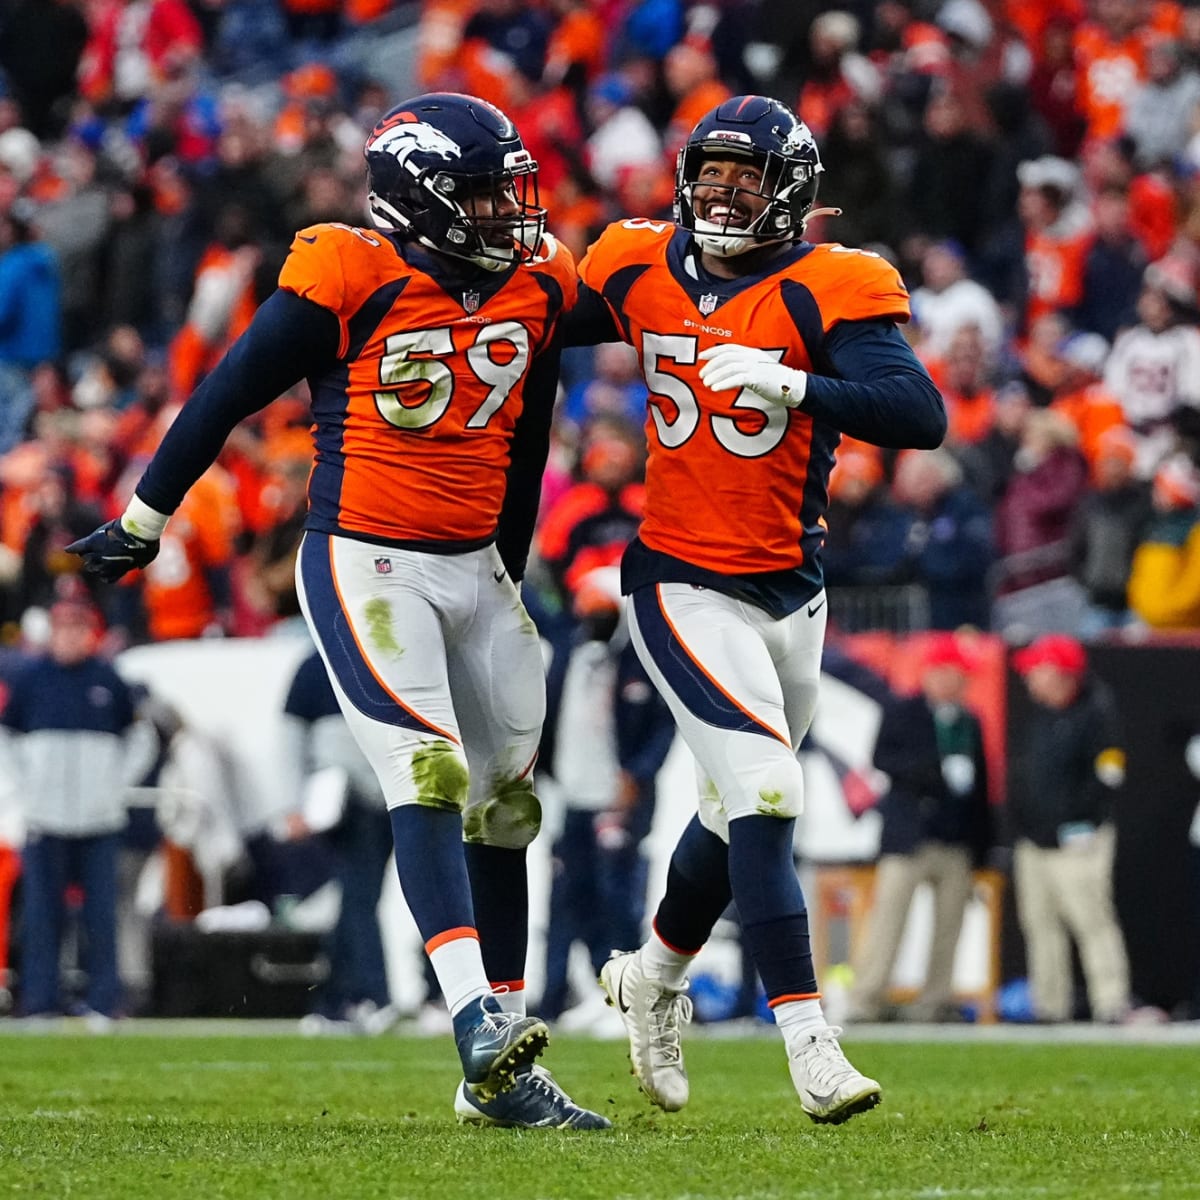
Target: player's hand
112 551
730 367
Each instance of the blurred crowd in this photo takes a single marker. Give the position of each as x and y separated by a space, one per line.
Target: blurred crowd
1033 170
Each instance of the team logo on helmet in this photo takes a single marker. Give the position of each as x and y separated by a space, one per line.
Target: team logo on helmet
799 140
406 137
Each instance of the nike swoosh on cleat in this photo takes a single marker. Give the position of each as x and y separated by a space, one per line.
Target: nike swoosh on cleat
822 1101
812 611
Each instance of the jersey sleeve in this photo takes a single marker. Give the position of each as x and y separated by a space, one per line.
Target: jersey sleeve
856 285
624 245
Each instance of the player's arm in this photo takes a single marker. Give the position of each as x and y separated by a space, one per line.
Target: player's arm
591 320
289 339
528 451
872 386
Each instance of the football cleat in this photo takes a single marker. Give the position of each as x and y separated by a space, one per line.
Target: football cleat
535 1101
493 1045
653 1015
831 1090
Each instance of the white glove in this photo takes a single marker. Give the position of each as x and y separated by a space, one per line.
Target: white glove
730 367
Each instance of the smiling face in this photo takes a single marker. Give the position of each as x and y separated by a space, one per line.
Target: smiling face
727 192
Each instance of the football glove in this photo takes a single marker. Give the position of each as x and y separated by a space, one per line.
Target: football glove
731 366
112 551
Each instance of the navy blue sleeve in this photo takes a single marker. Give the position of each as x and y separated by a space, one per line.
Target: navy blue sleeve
590 320
528 451
879 391
290 339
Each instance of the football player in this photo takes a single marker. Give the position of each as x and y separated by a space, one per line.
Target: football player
430 343
759 349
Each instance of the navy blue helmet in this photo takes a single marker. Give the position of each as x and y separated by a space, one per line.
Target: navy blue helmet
452 172
775 139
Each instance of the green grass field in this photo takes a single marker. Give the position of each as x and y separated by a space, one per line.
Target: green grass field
129 1117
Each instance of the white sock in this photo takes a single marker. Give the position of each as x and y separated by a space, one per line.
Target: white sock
798 1020
511 997
662 963
458 965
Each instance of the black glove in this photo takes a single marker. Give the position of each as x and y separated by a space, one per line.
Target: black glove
112 551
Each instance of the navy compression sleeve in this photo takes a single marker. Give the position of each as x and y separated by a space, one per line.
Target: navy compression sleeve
884 394
590 320
289 339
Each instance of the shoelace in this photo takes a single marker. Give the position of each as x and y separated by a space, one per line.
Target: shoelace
668 1012
824 1058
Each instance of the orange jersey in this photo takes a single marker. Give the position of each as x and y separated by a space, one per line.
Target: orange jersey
413 425
1055 266
734 484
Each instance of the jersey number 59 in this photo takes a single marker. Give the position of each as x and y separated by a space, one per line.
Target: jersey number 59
414 357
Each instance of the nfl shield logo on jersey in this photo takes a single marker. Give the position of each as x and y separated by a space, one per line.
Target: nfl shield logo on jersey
470 301
383 566
708 302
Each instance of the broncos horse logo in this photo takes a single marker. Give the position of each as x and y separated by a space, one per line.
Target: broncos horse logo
401 137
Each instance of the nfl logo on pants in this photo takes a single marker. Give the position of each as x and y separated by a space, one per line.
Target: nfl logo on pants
383 566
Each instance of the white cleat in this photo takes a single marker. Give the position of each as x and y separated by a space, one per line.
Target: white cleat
653 1015
831 1090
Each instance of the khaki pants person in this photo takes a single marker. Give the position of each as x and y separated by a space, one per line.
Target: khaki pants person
1063 891
947 869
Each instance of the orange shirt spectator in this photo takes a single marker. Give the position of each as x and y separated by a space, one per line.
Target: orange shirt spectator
1058 234
1112 61
185 589
1082 398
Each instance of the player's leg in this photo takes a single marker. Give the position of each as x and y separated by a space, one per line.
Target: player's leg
381 638
496 677
736 681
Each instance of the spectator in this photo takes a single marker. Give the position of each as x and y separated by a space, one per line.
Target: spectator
1164 579
1112 268
1058 232
690 71
69 716
988 464
949 300
936 828
948 152
865 189
1081 396
613 390
949 541
1163 109
865 543
1154 368
1069 761
41 43
1109 525
30 317
838 74
1035 590
342 803
622 135
613 732
962 378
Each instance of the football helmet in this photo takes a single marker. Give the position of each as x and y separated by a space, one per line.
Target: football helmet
771 135
452 172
